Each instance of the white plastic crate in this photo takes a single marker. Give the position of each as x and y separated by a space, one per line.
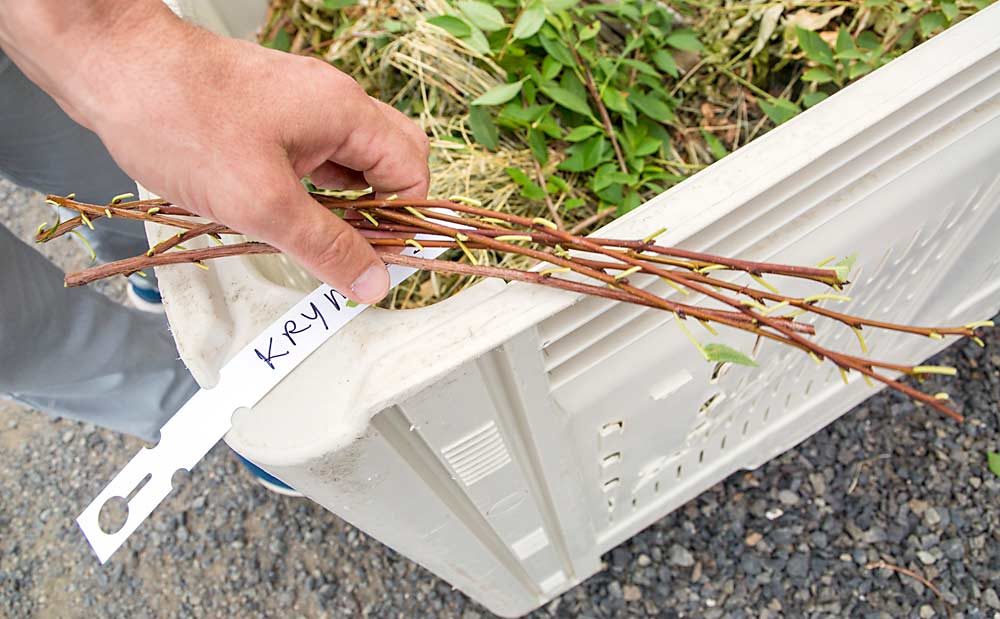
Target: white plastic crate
507 437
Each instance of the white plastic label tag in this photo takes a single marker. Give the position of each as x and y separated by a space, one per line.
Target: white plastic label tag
207 416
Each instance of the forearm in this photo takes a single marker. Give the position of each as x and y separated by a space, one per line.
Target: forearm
73 50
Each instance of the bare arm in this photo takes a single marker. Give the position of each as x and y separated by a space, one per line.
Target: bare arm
224 127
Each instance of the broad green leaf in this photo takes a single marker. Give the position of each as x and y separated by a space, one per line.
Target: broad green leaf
517 175
554 184
477 41
812 98
647 146
483 15
281 41
715 145
539 147
814 47
949 9
560 5
931 23
585 155
858 69
589 32
630 202
818 75
608 174
566 98
617 101
652 107
498 95
573 203
483 128
778 110
993 460
530 20
338 4
684 39
720 353
550 69
558 50
529 188
869 40
665 61
582 133
642 67
454 26
844 41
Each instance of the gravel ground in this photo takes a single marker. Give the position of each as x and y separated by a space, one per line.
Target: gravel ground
886 482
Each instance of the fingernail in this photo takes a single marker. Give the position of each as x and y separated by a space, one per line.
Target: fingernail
372 285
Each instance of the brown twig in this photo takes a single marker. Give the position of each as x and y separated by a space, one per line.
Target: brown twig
603 111
479 228
881 564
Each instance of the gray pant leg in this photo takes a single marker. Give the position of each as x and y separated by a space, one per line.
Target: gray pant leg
44 149
72 352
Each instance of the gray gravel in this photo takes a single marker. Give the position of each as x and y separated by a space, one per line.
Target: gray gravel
887 482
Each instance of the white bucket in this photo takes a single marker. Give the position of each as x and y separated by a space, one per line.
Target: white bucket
506 437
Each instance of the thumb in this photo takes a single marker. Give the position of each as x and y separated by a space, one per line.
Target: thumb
320 241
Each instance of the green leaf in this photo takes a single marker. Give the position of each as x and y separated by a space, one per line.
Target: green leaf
843 268
498 95
483 128
477 41
844 41
931 23
560 5
530 20
558 50
566 98
814 47
573 203
858 69
869 40
281 41
666 63
778 110
582 133
652 107
818 75
608 174
617 101
630 202
812 98
483 15
338 4
993 460
529 188
454 26
539 147
720 353
647 146
585 155
949 9
642 67
715 145
589 32
684 39
550 69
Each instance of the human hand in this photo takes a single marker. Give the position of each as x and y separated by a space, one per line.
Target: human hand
227 128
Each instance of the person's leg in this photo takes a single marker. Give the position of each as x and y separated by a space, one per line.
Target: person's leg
42 148
74 353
